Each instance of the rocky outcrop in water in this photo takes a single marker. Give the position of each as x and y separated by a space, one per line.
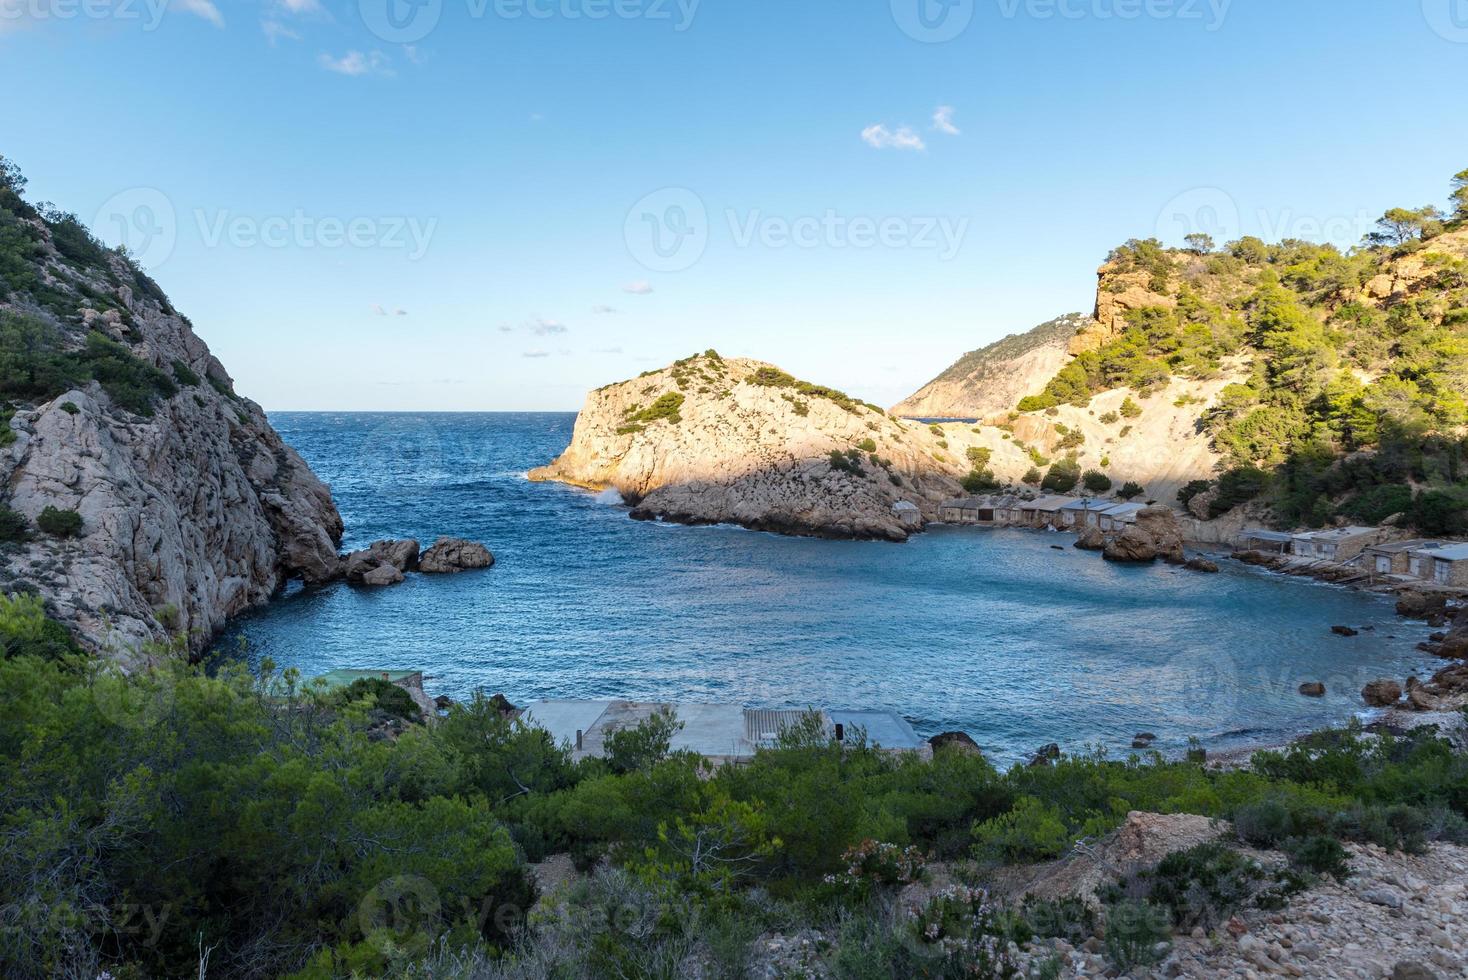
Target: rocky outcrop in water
1156 534
449 556
191 509
715 440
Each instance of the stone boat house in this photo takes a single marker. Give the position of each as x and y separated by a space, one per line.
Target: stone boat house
1341 544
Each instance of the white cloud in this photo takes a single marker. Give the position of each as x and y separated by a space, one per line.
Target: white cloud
356 64
275 32
200 8
400 312
377 308
603 310
879 137
607 350
505 328
299 6
542 327
943 120
639 288
536 353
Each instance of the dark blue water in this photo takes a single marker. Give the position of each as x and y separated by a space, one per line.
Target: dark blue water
993 632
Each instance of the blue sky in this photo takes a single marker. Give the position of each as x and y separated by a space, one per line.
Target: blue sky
555 200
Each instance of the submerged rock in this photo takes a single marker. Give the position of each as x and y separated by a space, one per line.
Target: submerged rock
1202 565
1313 689
1045 755
1344 631
449 556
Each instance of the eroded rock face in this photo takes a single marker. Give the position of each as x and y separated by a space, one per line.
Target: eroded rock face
449 556
1091 539
1157 534
710 440
400 556
196 513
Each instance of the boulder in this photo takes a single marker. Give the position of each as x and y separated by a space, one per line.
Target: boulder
1382 693
1091 539
382 575
1045 755
1454 646
449 556
958 741
1312 689
1421 605
1344 631
1419 698
1143 740
401 556
1202 565
1157 534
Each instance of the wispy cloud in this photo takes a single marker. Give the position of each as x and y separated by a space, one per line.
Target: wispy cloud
276 32
505 328
943 121
536 353
639 288
200 8
542 327
607 350
881 138
299 6
356 63
603 310
382 311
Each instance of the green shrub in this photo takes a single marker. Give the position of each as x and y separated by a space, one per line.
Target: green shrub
1320 855
1130 490
1136 934
14 527
639 748
185 375
26 631
1378 503
1192 489
60 523
979 456
1096 482
666 409
1109 418
1033 477
980 481
1063 476
1130 409
1031 831
70 408
385 696
867 445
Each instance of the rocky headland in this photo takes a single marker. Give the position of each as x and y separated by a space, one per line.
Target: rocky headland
716 440
147 498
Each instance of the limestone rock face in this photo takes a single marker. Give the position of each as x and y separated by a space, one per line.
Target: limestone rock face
991 381
710 440
196 513
448 556
1156 534
1091 539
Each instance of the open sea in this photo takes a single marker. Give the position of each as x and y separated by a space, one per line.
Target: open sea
994 632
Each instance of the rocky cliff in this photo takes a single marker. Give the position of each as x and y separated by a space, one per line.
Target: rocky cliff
710 439
991 381
143 498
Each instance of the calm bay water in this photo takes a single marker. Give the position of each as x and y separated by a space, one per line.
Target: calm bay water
993 632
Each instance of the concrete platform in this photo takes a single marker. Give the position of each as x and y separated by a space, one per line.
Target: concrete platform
716 731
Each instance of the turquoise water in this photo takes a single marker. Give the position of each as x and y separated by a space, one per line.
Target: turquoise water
995 632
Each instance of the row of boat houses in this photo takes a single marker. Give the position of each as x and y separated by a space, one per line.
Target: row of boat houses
1060 513
1439 562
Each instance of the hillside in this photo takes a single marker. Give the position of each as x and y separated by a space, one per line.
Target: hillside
140 496
1345 375
991 380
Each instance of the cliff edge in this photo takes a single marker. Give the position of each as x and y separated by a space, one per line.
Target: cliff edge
141 497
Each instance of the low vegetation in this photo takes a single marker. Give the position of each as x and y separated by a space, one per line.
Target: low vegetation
284 834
